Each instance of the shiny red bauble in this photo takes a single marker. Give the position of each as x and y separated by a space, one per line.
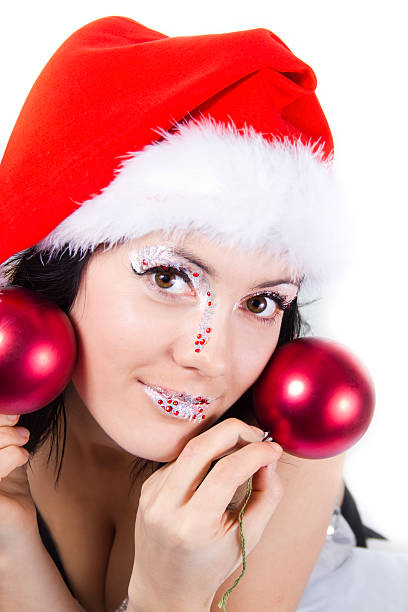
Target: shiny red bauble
37 351
314 397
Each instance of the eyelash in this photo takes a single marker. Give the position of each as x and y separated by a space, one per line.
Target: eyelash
280 301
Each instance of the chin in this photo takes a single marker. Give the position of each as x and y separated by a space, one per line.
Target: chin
169 452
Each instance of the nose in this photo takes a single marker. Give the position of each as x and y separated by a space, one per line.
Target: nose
214 357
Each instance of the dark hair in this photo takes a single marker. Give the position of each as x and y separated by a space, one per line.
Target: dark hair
58 279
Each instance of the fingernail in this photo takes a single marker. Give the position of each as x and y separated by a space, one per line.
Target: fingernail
12 417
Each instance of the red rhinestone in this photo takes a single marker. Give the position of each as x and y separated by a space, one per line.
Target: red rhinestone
169 401
176 412
208 330
209 303
203 416
169 408
201 409
160 402
194 416
208 293
163 267
196 274
202 341
175 403
197 350
198 335
196 342
144 262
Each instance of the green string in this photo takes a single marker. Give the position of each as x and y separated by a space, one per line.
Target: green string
227 593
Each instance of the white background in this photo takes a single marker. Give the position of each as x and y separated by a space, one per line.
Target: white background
358 52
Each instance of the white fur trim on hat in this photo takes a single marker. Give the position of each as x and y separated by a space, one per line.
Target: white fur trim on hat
234 186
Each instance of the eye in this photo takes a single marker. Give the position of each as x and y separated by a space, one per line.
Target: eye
265 307
164 279
167 280
261 305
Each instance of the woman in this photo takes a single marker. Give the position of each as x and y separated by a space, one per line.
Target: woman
173 196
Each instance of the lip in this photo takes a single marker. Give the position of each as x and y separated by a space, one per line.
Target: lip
178 404
167 391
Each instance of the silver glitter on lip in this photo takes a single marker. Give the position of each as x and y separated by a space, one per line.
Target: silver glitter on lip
179 405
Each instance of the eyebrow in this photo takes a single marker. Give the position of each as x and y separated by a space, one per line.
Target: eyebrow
211 271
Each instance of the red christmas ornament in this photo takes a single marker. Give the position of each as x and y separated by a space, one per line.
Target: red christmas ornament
37 351
315 398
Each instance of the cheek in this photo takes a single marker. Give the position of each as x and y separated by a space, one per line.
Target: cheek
256 361
116 335
251 361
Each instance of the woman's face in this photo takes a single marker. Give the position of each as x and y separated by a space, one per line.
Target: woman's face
156 329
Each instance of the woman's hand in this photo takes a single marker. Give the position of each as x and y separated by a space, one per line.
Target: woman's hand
18 516
29 578
186 542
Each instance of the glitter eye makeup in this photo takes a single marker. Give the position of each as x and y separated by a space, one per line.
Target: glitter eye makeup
162 258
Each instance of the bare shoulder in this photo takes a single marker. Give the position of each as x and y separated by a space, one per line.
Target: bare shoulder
280 566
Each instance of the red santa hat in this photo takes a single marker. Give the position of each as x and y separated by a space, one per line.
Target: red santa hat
127 130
